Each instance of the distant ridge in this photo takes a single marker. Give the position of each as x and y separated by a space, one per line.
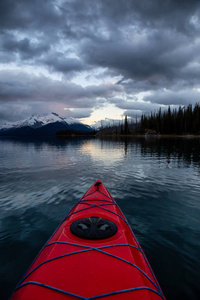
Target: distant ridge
46 125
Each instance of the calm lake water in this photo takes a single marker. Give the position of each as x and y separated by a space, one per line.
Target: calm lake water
155 182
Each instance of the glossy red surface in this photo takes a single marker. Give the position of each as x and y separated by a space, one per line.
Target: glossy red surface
89 269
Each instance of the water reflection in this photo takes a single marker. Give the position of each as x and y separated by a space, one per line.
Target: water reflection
185 149
155 182
103 150
173 149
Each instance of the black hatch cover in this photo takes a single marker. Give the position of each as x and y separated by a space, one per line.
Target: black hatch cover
93 228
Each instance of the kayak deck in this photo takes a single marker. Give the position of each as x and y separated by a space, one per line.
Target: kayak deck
72 267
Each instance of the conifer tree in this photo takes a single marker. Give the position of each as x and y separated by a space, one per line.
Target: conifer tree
185 120
126 129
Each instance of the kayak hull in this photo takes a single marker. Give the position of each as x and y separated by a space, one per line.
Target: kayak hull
91 267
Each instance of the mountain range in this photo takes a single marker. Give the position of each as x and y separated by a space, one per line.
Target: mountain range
47 125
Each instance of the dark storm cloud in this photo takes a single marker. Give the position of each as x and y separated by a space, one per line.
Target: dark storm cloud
168 97
153 41
21 86
136 107
26 15
23 91
24 47
81 113
151 13
160 58
59 62
149 45
15 113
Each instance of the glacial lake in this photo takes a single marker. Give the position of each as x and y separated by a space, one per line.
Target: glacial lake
156 182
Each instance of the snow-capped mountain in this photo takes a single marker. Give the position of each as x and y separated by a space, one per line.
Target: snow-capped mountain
38 121
105 123
43 125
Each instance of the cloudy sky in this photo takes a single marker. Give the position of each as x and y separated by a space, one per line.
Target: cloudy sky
97 59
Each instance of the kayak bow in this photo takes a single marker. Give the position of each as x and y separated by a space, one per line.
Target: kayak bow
93 254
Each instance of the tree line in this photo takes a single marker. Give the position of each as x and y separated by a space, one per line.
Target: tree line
184 120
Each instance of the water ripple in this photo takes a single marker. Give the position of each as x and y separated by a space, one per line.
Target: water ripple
156 184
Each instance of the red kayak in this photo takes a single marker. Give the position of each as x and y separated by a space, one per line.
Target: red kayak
93 254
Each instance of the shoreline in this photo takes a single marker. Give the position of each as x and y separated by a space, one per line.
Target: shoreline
150 136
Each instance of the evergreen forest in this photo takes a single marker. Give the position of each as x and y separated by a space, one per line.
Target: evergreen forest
184 120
